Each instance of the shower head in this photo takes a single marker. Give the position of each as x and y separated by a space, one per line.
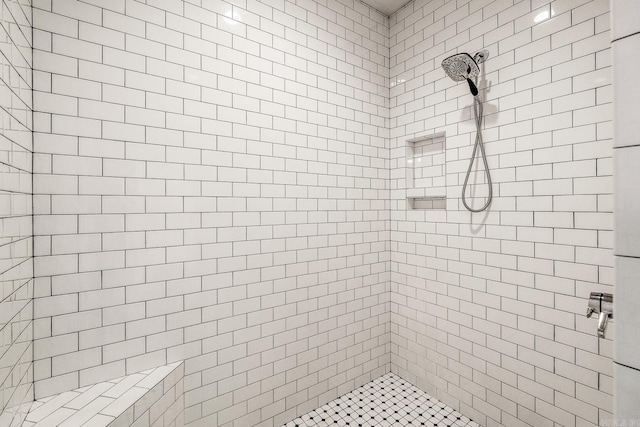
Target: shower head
462 66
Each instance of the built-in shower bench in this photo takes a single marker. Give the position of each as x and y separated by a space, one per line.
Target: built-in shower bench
150 398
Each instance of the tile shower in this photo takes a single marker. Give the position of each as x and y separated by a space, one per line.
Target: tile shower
224 183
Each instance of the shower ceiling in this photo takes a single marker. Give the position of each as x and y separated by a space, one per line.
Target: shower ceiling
388 7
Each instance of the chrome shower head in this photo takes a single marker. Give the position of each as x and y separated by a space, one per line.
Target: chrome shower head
462 66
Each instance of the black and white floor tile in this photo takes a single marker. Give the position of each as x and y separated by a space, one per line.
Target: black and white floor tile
388 401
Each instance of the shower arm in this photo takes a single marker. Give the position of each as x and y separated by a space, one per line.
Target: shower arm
481 56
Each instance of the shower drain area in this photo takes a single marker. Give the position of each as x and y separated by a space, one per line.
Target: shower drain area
384 402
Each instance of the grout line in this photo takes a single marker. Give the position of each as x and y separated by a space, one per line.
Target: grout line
626 366
624 37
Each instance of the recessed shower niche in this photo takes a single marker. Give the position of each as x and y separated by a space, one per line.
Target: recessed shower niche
426 171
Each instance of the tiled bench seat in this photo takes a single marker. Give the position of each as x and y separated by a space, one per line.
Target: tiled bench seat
150 398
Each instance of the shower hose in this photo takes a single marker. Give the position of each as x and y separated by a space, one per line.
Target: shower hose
477 113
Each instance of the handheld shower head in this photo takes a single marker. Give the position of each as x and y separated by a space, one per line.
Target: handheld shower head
463 66
460 67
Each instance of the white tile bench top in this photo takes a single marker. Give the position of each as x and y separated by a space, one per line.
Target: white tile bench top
101 404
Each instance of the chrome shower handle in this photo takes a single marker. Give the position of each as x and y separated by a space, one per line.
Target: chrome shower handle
603 317
602 304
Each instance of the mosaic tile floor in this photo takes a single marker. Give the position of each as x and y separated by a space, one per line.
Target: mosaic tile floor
385 402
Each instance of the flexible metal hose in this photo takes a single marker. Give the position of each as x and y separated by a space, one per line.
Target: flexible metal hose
477 112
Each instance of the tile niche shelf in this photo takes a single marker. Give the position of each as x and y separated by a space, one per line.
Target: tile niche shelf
426 171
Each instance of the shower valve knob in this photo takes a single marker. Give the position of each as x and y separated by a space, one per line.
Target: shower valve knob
602 305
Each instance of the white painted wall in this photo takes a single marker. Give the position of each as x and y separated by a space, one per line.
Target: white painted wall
625 38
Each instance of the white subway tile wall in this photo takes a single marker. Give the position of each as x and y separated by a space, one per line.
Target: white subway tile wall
16 212
154 397
211 184
488 310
